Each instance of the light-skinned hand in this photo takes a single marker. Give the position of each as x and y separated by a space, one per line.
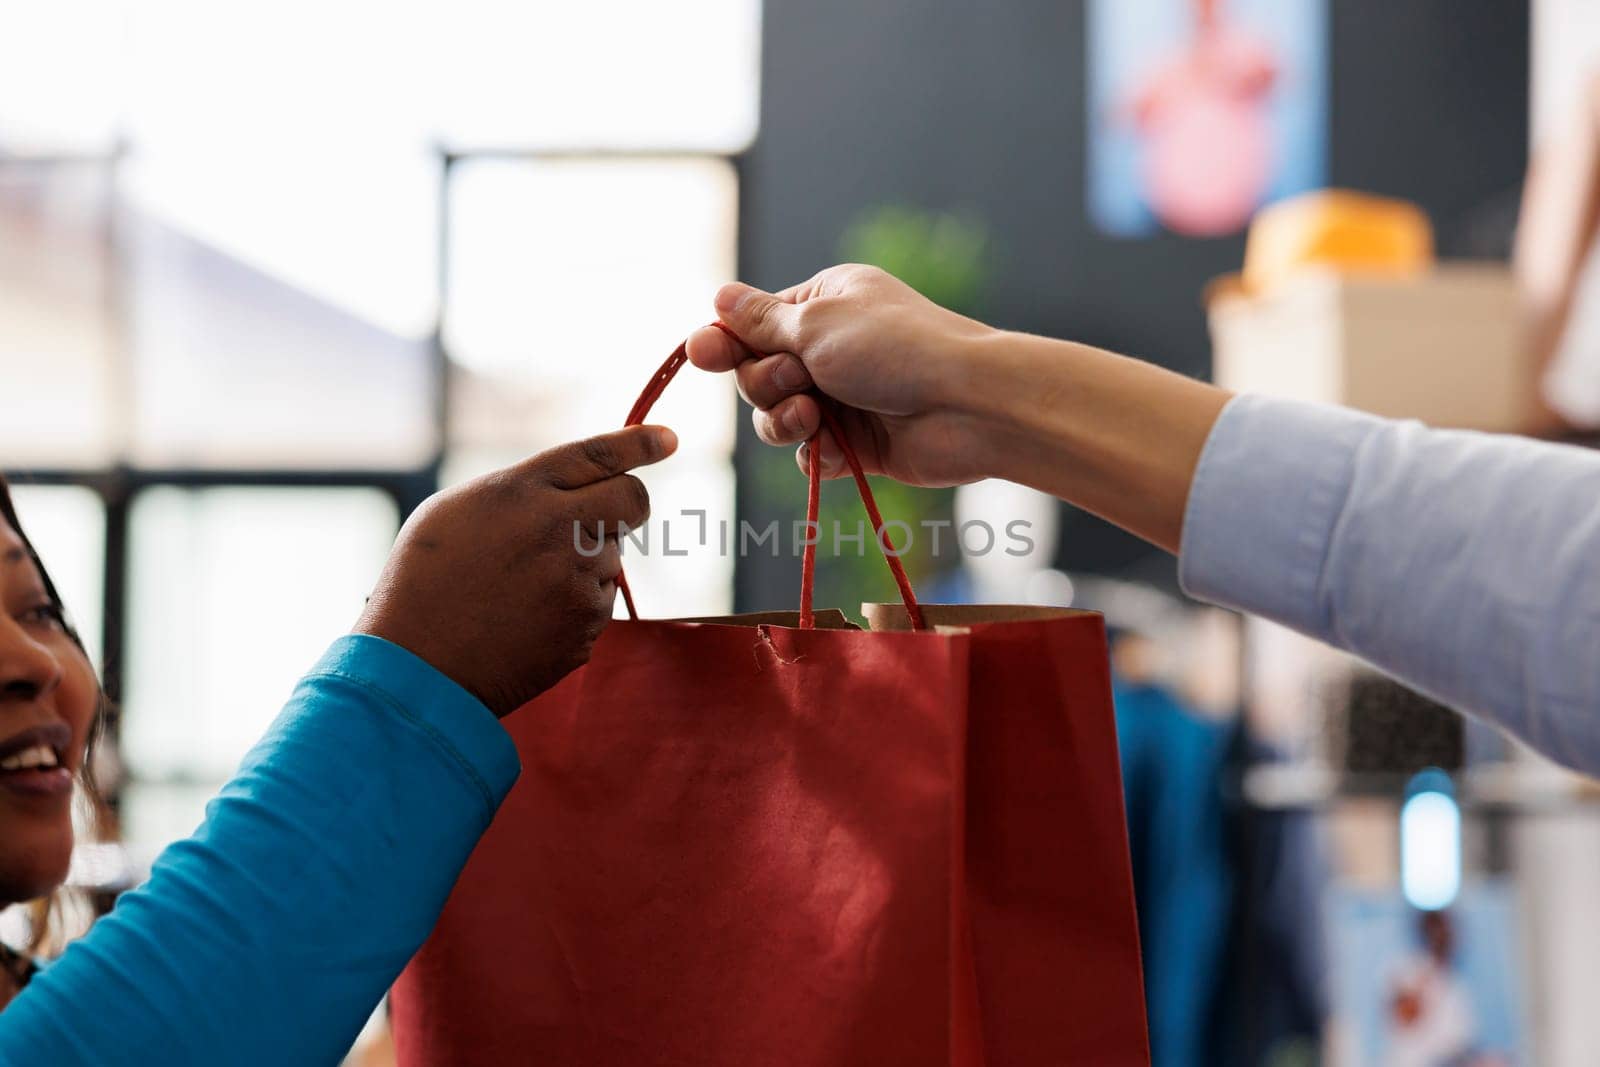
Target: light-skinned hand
874 344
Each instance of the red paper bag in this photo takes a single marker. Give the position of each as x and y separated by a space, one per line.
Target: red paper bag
767 845
782 841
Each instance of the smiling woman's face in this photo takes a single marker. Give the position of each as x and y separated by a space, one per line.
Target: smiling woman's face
48 696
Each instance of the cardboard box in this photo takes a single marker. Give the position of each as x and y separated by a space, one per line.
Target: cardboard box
1444 347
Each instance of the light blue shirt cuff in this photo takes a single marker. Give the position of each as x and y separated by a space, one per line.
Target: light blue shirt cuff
1464 564
1264 504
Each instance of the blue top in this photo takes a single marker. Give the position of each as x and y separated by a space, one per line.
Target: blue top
1467 565
270 935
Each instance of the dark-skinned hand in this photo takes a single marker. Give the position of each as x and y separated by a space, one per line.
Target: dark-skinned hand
487 581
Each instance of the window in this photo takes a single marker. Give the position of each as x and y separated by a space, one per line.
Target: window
234 593
67 525
244 331
231 367
570 278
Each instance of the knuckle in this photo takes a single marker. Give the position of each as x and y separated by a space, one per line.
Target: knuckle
636 498
756 382
434 512
605 561
761 312
747 375
500 486
542 466
583 536
863 274
599 451
790 375
745 392
766 426
426 512
586 611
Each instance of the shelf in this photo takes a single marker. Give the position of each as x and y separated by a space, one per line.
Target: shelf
1488 790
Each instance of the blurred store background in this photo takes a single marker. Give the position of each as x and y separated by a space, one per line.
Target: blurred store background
271 274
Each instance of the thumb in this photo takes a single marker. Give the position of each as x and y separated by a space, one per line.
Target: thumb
761 320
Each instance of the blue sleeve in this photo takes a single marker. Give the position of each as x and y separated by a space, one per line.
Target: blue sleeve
1467 565
270 935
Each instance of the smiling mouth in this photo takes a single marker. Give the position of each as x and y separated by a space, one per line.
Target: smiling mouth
41 756
34 761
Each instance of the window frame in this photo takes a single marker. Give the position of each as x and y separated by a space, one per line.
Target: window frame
118 486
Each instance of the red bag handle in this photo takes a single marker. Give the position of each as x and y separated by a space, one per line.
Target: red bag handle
808 558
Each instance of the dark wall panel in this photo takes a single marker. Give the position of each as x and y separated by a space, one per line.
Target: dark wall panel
981 107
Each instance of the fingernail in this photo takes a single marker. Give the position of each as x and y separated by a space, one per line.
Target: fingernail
730 296
791 419
667 441
788 374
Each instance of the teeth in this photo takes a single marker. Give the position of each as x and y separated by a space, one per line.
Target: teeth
37 756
